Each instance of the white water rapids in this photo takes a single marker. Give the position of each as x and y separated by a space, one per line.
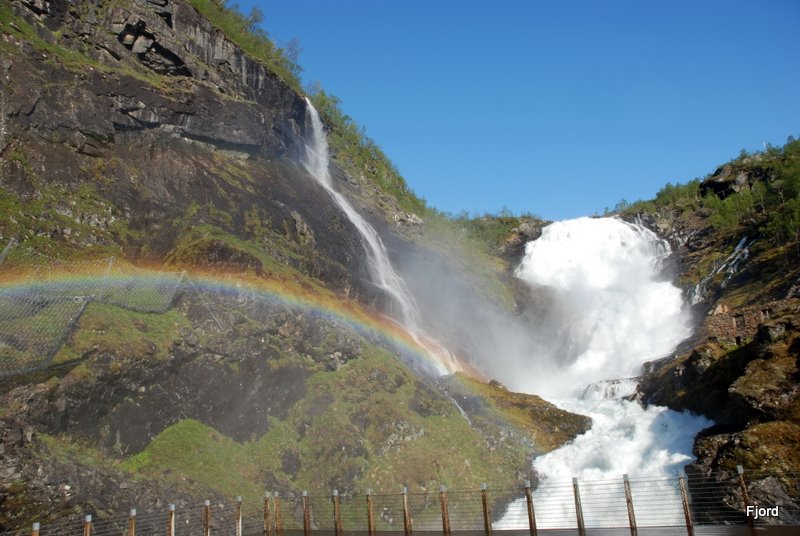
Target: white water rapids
615 313
609 311
404 308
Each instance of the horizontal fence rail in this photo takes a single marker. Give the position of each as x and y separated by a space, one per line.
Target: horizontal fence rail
656 505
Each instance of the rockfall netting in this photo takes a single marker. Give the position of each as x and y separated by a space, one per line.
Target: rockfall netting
39 307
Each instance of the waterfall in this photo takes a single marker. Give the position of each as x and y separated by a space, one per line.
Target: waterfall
730 265
612 309
614 312
403 306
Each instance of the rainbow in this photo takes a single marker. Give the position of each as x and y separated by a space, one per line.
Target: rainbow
90 277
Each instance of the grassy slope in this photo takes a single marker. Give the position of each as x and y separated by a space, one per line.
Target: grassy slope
371 423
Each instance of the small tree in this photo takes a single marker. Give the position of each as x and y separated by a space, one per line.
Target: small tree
291 54
254 19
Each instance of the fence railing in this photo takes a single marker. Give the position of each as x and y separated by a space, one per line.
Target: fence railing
626 505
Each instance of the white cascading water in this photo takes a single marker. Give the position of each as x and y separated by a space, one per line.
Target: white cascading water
317 163
730 265
614 314
613 311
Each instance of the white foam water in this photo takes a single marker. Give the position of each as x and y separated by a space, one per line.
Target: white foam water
615 313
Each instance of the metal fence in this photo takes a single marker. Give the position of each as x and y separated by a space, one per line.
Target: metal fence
662 505
41 308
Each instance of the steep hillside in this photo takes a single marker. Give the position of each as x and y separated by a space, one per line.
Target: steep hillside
736 240
159 133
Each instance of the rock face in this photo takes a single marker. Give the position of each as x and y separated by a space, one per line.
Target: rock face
732 178
138 129
513 246
741 368
173 127
293 397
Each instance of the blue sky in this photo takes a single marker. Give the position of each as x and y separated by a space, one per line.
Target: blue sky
556 108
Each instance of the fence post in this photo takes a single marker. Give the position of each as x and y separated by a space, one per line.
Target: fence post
132 523
207 518
531 512
337 514
306 514
87 525
407 527
487 515
445 510
370 514
267 516
745 496
35 529
171 520
238 515
629 500
685 500
578 507
278 516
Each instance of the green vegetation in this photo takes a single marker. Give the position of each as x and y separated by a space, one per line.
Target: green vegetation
200 458
672 196
767 203
774 445
476 245
108 328
76 452
546 425
479 234
359 155
370 424
60 222
71 58
211 247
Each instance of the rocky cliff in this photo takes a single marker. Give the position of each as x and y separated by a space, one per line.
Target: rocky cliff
164 126
742 366
142 130
147 131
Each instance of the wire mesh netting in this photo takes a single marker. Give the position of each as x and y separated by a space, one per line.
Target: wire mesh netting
423 511
465 510
257 518
288 512
190 520
555 506
150 522
722 499
354 512
33 327
655 504
388 511
320 512
40 308
603 503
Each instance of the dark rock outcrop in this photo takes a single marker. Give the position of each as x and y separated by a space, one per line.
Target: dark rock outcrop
746 377
732 178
